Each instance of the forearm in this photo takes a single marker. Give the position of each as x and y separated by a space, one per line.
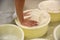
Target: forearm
19 9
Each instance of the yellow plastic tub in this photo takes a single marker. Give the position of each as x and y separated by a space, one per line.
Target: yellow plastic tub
37 31
56 33
52 7
11 32
55 17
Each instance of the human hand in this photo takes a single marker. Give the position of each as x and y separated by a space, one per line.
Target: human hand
28 22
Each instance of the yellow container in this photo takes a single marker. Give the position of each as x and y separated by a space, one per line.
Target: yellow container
55 17
52 7
37 31
56 33
11 32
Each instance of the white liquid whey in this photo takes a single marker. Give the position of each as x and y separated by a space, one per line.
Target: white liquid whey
8 37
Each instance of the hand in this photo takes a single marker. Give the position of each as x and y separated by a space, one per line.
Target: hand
28 22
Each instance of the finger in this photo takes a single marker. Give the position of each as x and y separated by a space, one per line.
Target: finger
26 13
28 24
34 23
28 18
